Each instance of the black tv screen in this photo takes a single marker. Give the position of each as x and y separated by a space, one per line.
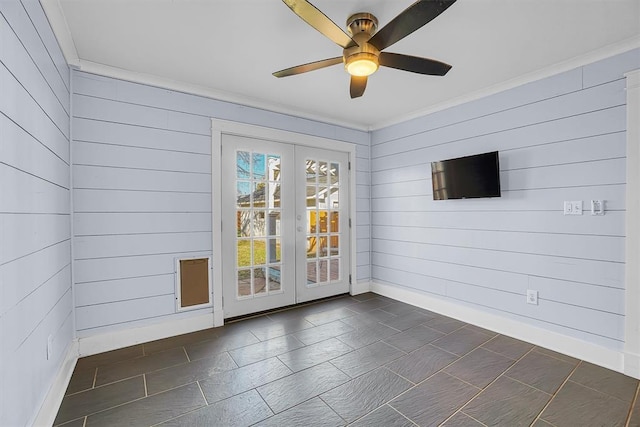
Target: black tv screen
466 177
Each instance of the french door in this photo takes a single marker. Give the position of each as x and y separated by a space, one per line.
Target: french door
285 225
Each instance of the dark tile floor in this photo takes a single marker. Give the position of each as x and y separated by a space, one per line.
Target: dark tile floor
364 361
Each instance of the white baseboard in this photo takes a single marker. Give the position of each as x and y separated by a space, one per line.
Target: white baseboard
360 288
49 409
118 339
218 318
552 340
632 365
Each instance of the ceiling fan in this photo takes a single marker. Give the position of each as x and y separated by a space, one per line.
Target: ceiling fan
362 50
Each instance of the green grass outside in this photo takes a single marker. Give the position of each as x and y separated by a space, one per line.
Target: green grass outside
260 252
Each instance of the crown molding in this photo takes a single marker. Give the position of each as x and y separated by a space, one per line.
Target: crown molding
560 67
165 83
58 22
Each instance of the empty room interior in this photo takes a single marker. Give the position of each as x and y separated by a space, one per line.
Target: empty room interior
322 213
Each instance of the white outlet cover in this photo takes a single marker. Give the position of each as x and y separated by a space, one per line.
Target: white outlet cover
532 297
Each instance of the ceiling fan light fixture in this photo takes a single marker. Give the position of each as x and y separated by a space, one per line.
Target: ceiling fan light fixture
362 64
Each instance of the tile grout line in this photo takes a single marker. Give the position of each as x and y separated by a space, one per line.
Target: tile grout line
467 415
101 386
84 423
328 406
633 404
144 380
488 385
441 370
113 407
186 354
95 377
536 349
395 373
553 396
461 380
482 346
206 402
528 385
600 391
410 420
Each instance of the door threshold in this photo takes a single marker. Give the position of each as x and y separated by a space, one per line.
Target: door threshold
281 309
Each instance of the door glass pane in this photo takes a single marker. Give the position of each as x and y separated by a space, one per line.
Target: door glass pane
274 201
323 271
312 175
322 221
243 223
274 251
312 247
259 281
273 223
334 245
259 252
259 224
312 273
322 172
334 225
273 166
322 245
274 279
244 283
323 197
243 194
243 165
259 166
257 191
312 197
312 223
334 173
334 197
244 253
334 267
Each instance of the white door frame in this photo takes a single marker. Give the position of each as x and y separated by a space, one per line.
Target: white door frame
220 127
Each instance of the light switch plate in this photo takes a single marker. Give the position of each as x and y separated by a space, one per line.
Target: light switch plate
577 207
573 207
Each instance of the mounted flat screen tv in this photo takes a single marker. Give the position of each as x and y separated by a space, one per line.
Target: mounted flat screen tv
466 177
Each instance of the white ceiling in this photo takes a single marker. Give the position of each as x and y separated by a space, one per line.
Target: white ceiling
229 48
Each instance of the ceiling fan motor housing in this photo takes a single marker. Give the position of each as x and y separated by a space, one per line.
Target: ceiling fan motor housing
361 26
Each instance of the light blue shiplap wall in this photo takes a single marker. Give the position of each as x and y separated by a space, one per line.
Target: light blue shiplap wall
560 138
142 194
35 260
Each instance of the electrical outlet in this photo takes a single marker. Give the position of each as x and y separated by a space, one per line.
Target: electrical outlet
532 297
597 207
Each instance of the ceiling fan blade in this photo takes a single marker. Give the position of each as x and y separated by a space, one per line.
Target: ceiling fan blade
409 20
414 64
318 20
311 66
357 86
